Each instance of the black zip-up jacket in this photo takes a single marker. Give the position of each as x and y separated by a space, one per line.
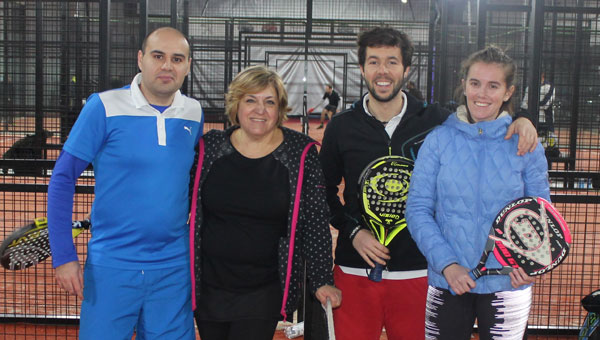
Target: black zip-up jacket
352 140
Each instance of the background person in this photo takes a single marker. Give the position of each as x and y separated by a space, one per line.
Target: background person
545 124
384 121
330 109
546 114
465 174
260 213
140 139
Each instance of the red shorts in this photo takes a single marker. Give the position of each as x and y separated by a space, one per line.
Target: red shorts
367 306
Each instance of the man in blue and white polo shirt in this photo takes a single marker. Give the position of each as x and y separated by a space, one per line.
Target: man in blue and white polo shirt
140 140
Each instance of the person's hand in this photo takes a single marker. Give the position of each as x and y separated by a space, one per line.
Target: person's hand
70 278
327 291
528 138
311 110
369 248
518 278
459 279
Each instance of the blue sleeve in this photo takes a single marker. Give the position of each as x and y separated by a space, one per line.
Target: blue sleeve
88 134
536 174
60 207
421 207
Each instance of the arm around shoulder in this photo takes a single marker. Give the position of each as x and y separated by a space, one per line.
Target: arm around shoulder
528 138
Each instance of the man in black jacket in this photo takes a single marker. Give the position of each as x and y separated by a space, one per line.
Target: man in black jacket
385 121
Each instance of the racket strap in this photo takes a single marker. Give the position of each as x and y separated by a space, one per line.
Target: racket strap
193 217
295 212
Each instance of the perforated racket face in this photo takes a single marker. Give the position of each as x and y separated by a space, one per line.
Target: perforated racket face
383 189
530 233
26 247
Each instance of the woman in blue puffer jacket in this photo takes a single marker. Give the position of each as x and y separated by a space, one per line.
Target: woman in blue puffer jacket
465 173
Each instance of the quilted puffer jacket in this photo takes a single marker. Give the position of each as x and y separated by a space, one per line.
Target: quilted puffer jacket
464 175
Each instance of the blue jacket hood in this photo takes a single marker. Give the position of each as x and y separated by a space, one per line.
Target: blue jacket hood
488 129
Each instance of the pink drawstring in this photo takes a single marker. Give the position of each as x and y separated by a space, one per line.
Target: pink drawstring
288 274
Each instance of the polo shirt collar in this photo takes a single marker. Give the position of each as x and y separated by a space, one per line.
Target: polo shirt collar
140 101
391 126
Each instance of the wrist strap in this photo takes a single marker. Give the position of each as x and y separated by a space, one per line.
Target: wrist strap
354 232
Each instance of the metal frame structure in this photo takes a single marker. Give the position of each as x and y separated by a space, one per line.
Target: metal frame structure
61 51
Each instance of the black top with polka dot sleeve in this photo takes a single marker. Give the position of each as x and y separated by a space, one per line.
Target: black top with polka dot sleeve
312 241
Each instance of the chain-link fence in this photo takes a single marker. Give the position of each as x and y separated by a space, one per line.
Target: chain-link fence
54 54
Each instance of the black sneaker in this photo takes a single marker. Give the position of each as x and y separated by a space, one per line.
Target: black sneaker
320 126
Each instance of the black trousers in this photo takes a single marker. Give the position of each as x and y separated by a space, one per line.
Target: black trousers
238 329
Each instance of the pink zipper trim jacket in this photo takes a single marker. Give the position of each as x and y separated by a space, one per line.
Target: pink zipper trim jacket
308 237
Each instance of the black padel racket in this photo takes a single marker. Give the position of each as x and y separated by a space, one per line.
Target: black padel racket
30 245
382 191
527 233
590 330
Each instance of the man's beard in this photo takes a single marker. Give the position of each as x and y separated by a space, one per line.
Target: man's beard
393 95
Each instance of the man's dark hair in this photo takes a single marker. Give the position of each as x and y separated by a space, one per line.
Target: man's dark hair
162 28
382 37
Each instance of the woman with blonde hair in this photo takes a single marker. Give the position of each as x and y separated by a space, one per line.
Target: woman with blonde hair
258 213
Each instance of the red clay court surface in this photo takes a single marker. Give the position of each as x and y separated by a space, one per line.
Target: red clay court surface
47 332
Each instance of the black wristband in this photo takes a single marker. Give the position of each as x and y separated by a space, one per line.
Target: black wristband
522 114
354 232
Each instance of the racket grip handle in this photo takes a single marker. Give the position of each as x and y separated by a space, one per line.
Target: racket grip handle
85 224
376 273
